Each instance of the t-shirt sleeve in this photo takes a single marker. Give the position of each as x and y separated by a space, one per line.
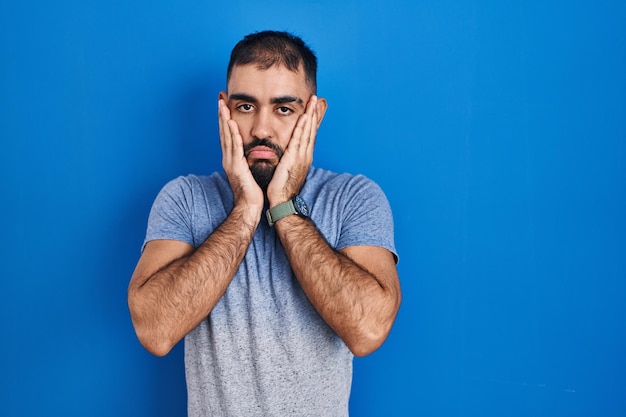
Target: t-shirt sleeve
367 217
170 216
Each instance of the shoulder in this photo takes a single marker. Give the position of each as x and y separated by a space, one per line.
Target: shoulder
191 187
188 207
193 192
196 183
349 210
321 181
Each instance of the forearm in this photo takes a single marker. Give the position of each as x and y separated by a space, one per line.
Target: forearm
172 301
358 306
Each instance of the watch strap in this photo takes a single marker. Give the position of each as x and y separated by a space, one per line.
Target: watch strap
276 213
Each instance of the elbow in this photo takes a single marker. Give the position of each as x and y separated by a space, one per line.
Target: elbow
372 334
367 342
149 336
369 337
157 349
361 350
154 344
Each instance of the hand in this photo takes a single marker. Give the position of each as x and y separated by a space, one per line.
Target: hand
246 191
294 165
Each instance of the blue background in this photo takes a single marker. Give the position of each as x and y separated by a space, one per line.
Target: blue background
496 128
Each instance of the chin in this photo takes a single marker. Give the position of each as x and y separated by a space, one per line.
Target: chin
262 172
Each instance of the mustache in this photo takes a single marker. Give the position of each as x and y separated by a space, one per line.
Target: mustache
263 142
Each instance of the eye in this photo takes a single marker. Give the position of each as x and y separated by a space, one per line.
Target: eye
245 108
284 111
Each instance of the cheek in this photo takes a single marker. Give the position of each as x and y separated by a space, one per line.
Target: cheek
243 123
286 129
238 117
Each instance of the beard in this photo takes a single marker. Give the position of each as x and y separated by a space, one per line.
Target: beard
262 170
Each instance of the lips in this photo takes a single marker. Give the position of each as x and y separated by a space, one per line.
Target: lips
261 152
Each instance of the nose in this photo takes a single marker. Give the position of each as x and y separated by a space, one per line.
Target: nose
261 125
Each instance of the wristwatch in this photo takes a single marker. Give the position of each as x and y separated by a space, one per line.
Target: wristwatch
294 206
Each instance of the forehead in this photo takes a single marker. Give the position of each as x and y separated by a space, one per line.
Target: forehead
267 83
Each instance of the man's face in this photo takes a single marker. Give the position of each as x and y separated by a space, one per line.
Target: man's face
266 105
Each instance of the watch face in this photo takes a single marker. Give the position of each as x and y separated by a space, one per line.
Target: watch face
301 206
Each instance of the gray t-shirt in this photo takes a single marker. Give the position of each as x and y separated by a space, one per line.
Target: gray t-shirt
264 350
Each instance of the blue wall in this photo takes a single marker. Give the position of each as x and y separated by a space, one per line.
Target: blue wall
497 129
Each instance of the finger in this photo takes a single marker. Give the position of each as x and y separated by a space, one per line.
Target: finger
305 147
313 126
223 117
230 138
305 134
236 141
296 137
225 138
311 110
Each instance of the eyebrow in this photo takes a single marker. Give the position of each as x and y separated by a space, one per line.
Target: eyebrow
242 97
287 99
275 100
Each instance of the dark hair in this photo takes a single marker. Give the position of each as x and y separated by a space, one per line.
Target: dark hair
269 48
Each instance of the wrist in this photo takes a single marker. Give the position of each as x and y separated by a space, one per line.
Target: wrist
249 215
295 205
275 200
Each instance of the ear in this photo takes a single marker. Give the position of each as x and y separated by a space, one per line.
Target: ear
223 96
322 105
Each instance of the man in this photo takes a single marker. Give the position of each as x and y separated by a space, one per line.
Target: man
275 272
